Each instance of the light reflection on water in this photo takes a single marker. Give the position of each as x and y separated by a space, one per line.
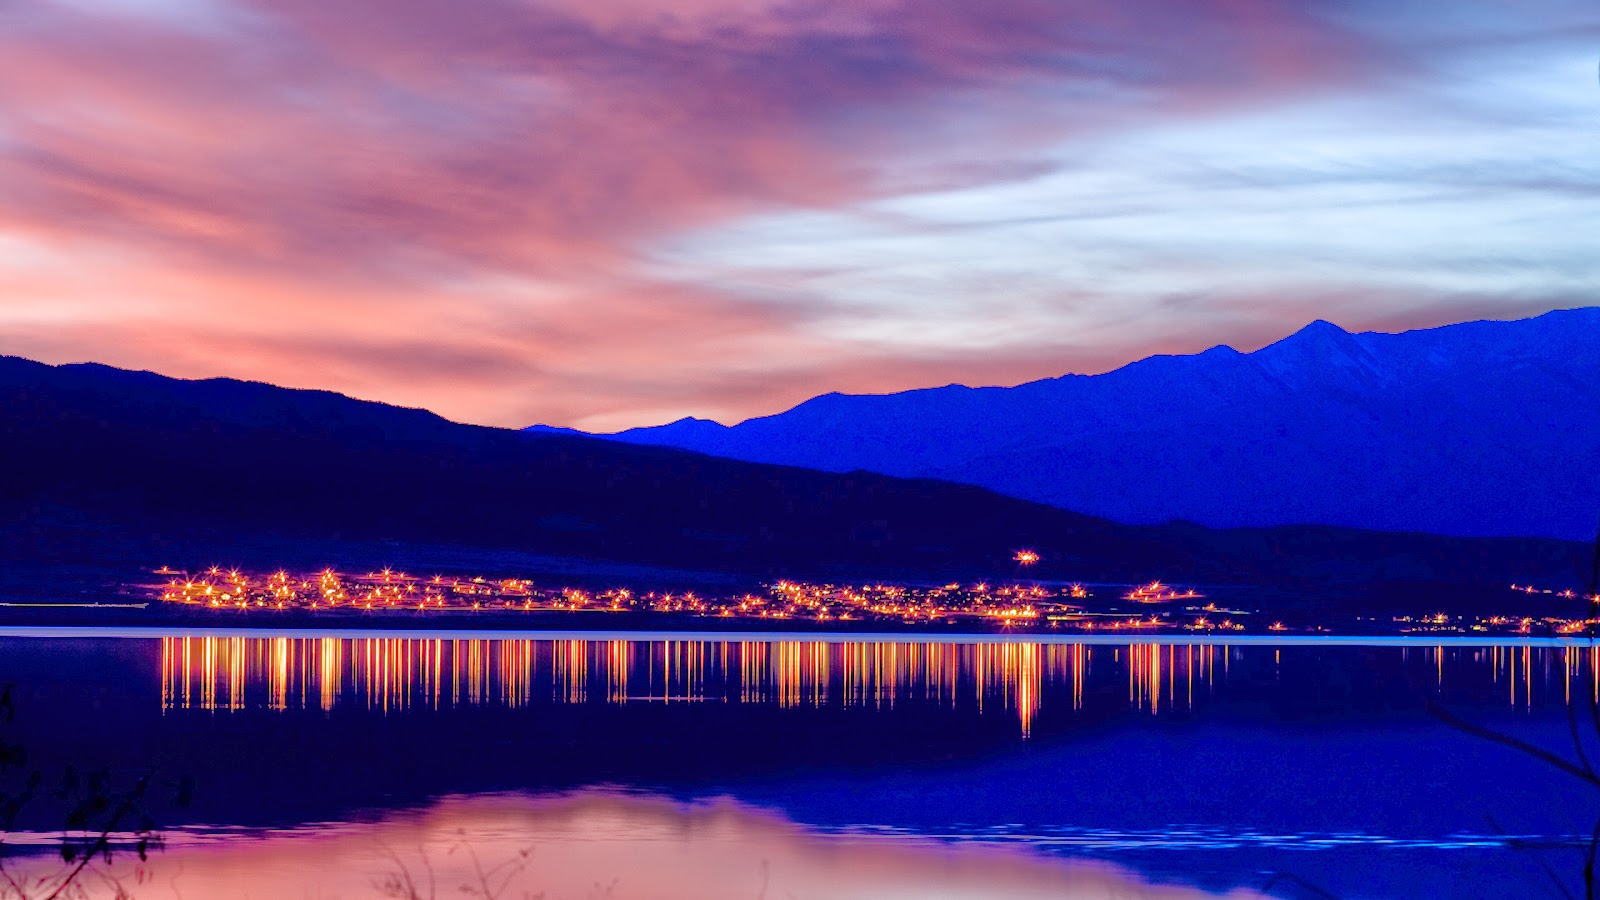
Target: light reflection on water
1306 757
605 844
394 674
391 674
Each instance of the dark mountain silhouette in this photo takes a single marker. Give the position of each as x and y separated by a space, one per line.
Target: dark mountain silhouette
100 460
1483 428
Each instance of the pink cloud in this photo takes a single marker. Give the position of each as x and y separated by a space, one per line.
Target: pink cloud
520 134
316 193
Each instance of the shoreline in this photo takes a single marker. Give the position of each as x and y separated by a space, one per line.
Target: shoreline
155 631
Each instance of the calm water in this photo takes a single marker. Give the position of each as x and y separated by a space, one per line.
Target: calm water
707 766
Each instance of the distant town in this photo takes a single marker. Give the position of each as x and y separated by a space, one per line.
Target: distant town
1018 604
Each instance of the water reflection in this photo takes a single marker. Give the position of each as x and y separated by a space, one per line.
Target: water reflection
395 674
596 844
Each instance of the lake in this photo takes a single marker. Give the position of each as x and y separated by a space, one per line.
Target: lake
719 765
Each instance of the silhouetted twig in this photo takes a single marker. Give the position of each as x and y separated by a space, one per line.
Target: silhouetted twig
1583 769
96 813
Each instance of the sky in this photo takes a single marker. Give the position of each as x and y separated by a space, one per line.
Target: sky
610 213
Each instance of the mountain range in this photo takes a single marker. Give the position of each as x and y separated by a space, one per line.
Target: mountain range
1481 428
107 469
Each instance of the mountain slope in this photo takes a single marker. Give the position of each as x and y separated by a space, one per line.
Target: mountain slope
178 458
1482 428
133 462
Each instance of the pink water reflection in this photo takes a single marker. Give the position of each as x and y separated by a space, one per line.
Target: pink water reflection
597 844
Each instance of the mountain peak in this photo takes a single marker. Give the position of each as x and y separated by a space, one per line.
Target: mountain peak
1319 333
1318 327
696 422
1317 351
673 433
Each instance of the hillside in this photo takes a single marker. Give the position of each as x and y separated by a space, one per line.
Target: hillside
101 460
222 456
1482 428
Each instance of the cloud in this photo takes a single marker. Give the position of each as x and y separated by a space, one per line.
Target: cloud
503 210
537 137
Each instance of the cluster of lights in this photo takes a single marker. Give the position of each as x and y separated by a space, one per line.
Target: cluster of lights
1156 592
1567 594
1442 623
385 589
1005 605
